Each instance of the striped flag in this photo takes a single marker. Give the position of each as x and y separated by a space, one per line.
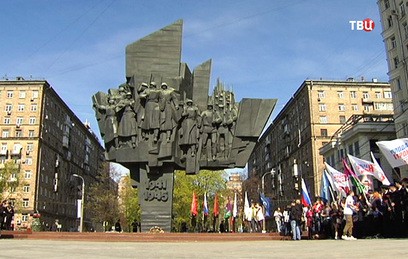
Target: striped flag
354 178
205 205
305 195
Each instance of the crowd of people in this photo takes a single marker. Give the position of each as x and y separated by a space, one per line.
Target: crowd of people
6 215
376 214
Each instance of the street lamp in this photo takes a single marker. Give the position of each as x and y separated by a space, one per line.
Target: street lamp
81 222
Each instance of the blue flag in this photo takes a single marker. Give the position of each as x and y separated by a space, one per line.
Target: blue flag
266 202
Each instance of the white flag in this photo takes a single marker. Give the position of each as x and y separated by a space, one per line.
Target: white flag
247 208
235 207
379 173
340 180
395 151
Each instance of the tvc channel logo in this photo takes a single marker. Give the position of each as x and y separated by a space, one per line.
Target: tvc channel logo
364 25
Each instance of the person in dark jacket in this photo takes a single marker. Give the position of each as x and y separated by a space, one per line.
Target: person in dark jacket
295 219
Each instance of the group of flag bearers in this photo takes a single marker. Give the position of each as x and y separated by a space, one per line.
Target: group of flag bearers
380 212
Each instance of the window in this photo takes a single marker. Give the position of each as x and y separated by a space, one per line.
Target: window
405 25
24 217
25 203
356 149
366 95
354 107
32 120
323 119
19 133
386 4
35 94
340 94
402 8
30 147
321 94
29 160
322 107
9 94
19 120
33 107
5 134
7 120
323 132
22 95
353 94
396 62
31 133
393 43
389 21
26 188
28 174
342 107
388 94
20 107
398 83
368 107
378 95
383 106
342 119
8 107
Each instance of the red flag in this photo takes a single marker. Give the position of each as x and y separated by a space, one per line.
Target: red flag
194 205
216 206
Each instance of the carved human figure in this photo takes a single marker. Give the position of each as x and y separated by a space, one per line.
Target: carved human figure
190 127
151 121
168 103
110 123
222 132
140 104
231 116
209 120
127 129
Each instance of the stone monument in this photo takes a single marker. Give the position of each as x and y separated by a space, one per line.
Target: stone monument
163 119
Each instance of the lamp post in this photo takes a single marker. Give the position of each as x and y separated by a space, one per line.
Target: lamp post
81 222
272 172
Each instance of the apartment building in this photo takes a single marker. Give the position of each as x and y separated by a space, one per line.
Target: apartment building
48 144
289 148
394 23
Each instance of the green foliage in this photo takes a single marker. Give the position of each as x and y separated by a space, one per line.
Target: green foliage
8 181
102 198
211 182
129 206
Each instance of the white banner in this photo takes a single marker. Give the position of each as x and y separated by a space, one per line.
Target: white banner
340 180
395 151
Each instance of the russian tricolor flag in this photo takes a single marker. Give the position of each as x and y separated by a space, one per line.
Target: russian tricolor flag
205 205
305 195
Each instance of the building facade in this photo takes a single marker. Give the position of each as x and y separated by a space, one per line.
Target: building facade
48 144
394 23
289 148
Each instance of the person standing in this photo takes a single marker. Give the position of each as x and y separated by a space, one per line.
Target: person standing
349 208
295 219
278 219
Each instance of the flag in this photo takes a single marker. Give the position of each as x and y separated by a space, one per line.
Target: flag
247 208
364 167
353 178
235 207
205 205
305 195
395 151
194 205
324 188
378 172
266 202
216 210
340 180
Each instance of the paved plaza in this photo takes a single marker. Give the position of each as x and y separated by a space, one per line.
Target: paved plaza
378 248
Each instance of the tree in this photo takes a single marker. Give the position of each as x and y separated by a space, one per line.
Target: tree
102 202
129 203
9 179
210 182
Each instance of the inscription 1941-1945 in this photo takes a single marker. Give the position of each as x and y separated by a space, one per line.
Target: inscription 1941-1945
156 190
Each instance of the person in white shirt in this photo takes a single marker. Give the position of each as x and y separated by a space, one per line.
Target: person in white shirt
349 208
278 219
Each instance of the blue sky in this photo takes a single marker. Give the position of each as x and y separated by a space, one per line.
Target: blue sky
263 48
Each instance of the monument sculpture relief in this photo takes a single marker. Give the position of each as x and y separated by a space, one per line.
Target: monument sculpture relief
163 119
